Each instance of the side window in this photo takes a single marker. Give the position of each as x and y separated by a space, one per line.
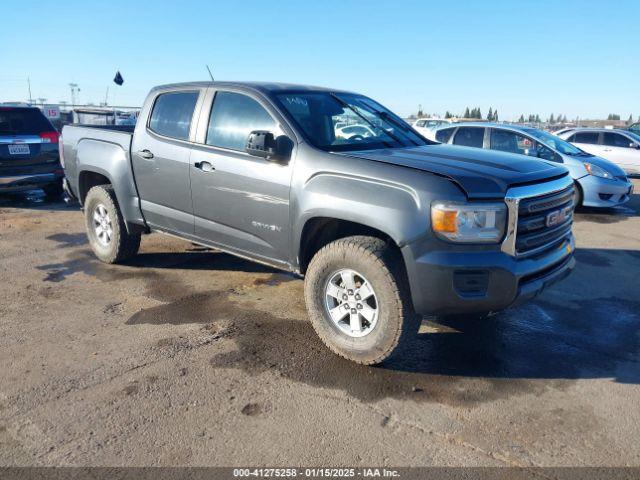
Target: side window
233 117
571 138
444 135
546 153
507 141
586 137
616 140
469 137
172 114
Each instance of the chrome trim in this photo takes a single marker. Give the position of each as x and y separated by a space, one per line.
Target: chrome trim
515 195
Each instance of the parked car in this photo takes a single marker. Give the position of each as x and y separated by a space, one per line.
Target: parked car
635 128
384 229
354 131
621 147
599 183
428 126
29 156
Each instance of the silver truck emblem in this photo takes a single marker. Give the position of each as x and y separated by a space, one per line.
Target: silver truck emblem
558 216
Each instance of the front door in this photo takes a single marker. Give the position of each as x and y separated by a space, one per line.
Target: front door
240 202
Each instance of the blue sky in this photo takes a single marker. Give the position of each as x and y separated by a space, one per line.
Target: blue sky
579 58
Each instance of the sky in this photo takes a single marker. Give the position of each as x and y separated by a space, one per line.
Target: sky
578 58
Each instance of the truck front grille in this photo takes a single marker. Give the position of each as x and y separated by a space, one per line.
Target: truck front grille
544 221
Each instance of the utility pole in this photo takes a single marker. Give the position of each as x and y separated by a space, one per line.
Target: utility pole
29 85
106 98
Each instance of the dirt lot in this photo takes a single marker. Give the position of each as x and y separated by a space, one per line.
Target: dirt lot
191 357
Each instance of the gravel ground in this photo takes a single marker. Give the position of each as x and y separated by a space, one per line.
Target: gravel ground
188 356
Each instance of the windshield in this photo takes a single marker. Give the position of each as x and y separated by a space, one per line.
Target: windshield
346 122
555 143
634 135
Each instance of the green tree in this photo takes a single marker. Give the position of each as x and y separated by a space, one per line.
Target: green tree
630 121
521 119
552 120
537 119
466 113
490 114
495 115
448 114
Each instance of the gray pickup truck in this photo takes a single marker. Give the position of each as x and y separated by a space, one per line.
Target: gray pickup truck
384 224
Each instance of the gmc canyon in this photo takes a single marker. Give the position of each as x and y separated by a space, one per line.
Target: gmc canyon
384 225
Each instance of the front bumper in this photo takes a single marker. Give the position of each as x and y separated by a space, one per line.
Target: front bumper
19 183
453 282
603 192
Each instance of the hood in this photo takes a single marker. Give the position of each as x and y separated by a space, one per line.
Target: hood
480 173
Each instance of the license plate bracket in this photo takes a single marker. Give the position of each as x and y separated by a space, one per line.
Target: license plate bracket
19 149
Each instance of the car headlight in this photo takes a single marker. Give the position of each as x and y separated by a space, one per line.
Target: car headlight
468 222
596 171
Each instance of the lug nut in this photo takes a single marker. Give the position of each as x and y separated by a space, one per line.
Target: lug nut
359 306
345 297
357 297
350 292
353 310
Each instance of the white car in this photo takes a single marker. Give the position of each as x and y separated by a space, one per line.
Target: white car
350 131
621 147
428 126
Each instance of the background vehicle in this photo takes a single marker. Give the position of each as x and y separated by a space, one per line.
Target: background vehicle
599 183
28 152
635 128
621 147
350 131
428 126
383 228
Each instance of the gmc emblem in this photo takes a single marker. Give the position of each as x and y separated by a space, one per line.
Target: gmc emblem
558 216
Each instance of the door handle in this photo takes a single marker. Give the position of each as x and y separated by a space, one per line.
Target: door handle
204 166
145 154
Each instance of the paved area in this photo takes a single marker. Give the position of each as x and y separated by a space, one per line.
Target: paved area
192 357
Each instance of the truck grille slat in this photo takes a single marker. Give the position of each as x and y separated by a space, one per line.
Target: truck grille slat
536 230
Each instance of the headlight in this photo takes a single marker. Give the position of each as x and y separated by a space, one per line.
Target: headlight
469 223
597 171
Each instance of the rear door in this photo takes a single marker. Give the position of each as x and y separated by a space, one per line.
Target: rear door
621 150
160 153
240 202
469 137
28 142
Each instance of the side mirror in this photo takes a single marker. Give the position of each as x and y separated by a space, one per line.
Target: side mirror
532 152
262 143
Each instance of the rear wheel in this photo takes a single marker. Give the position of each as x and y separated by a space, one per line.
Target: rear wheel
106 229
358 299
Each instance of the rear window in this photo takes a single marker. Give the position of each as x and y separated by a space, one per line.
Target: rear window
469 137
444 135
23 121
172 113
586 137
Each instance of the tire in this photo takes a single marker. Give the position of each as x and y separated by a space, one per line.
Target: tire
53 191
379 265
577 196
119 245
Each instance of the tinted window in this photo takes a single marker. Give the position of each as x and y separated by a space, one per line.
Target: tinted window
444 135
546 153
507 141
172 114
23 121
586 137
469 137
233 117
615 140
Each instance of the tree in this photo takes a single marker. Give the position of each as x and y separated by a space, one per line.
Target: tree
466 113
521 119
448 114
630 121
490 114
552 120
613 116
537 119
495 115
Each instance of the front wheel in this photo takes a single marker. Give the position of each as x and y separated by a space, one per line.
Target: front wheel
106 229
358 299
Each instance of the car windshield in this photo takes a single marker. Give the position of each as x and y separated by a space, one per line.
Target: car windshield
325 118
633 135
555 143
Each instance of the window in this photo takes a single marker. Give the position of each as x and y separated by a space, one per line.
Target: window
507 141
23 121
546 153
444 135
616 140
469 137
233 117
586 137
172 114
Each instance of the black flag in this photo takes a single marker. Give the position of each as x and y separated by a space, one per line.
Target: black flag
118 78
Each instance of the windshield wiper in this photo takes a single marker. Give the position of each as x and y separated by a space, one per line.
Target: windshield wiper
375 127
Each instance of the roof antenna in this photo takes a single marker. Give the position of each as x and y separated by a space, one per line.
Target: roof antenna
209 70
